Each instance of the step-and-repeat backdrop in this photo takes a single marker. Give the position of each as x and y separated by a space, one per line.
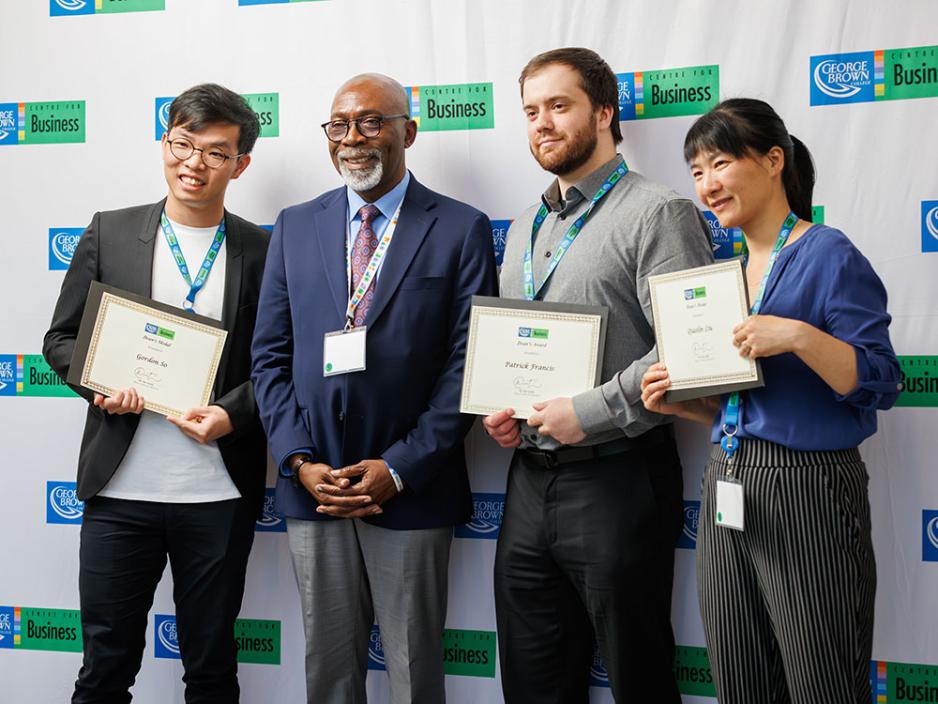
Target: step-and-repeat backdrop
84 91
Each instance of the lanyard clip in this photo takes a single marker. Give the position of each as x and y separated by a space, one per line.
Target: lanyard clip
729 443
348 324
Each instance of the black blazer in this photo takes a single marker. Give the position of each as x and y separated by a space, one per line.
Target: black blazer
117 249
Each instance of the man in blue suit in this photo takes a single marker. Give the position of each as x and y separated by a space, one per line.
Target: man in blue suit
358 360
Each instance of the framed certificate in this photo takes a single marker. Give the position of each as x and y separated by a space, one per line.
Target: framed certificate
522 352
695 312
169 356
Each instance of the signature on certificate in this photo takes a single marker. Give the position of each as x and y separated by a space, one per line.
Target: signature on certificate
526 386
147 377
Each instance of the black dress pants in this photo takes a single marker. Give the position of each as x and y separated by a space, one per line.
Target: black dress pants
124 546
586 550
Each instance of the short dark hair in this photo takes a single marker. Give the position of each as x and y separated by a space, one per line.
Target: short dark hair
598 81
739 126
208 103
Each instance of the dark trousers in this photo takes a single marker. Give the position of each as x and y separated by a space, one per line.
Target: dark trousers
124 546
586 550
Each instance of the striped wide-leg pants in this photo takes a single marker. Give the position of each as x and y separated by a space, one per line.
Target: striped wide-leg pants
787 604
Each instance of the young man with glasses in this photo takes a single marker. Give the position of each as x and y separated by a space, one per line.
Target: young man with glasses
187 487
358 359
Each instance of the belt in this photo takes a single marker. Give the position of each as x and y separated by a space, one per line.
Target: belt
549 459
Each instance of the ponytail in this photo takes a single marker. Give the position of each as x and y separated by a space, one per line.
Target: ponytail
798 178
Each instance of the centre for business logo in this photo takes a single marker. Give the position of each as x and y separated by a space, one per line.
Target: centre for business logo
919 380
688 538
486 521
691 90
63 504
691 670
50 122
903 683
534 333
692 294
469 653
154 329
466 653
458 106
64 8
868 76
257 640
270 521
267 108
930 225
31 628
62 244
265 105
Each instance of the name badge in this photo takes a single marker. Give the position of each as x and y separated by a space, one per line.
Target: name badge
343 351
729 504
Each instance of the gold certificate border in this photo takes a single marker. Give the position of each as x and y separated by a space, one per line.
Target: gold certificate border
594 321
106 300
710 379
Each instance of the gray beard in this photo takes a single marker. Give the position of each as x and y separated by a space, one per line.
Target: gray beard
360 180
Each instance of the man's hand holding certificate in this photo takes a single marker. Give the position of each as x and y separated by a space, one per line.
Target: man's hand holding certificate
130 345
522 353
695 312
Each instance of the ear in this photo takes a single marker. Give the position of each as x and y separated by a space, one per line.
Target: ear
410 133
775 160
604 118
243 163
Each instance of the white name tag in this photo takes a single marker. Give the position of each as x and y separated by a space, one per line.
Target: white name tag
343 351
729 504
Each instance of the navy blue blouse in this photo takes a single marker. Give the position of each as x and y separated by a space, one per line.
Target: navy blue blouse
824 280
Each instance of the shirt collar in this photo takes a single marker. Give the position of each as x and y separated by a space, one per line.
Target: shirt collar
586 187
387 203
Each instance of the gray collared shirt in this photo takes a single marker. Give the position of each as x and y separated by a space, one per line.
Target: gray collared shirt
638 229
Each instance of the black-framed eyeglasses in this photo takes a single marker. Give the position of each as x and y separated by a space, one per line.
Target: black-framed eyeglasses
367 126
212 157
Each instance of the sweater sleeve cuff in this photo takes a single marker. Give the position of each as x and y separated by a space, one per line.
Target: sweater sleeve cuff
591 412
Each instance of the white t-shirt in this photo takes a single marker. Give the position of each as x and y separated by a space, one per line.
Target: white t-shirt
162 464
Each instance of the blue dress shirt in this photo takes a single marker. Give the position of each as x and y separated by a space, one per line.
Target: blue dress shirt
824 280
387 204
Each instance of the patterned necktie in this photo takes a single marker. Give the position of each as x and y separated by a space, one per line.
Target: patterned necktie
366 242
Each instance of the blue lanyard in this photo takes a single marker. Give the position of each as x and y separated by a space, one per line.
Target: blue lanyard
531 291
210 256
731 411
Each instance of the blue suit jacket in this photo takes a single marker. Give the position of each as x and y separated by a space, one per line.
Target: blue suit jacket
405 406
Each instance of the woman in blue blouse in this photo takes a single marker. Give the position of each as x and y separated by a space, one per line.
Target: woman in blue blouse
787 600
